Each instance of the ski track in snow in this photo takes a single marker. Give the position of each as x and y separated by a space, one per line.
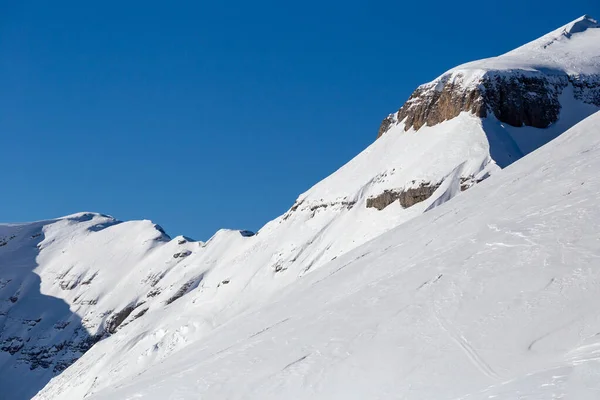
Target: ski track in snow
473 356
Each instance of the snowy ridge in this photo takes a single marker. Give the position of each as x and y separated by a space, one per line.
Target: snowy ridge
569 50
464 302
144 300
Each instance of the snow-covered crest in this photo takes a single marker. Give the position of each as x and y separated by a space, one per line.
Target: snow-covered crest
572 49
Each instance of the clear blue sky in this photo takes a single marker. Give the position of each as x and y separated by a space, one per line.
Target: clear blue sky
201 115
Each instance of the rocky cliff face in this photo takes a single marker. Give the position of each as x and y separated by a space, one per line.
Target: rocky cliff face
517 99
431 105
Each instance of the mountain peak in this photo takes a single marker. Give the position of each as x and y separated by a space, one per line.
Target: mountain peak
527 86
580 25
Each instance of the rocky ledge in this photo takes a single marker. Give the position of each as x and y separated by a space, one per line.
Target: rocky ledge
406 197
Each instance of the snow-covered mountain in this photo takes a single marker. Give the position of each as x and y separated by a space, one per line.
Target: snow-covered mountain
151 305
494 296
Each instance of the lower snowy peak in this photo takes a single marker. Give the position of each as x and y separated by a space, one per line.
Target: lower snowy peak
60 294
68 283
494 296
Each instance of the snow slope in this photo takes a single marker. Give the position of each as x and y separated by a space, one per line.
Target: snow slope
139 297
491 296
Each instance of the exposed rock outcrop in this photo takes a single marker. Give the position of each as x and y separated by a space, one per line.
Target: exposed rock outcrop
117 319
182 254
57 356
517 99
430 106
185 288
386 124
586 88
521 100
314 207
406 197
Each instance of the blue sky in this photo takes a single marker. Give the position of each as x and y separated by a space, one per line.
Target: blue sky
202 115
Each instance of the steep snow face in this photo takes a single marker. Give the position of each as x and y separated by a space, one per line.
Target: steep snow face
493 296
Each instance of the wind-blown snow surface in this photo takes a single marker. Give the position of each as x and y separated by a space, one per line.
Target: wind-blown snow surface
493 296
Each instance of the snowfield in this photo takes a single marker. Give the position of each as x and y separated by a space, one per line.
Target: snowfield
492 296
486 293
